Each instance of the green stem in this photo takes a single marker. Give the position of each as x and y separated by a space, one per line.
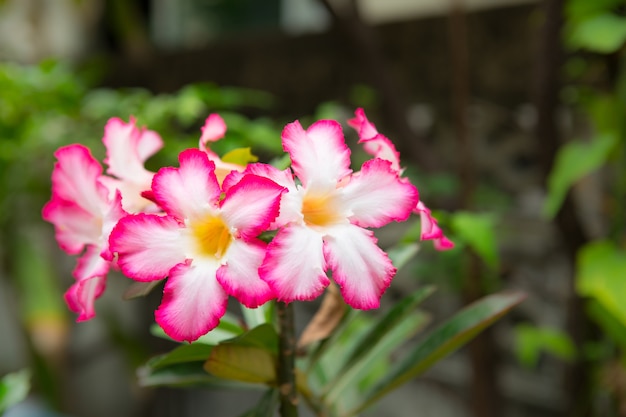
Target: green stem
286 361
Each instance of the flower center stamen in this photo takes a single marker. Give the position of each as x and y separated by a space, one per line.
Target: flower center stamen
212 236
319 210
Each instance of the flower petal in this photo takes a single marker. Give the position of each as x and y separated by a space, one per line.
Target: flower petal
376 195
187 191
213 130
193 301
251 205
90 274
240 276
294 265
148 246
377 145
359 266
291 201
75 179
128 147
362 125
74 227
319 154
431 230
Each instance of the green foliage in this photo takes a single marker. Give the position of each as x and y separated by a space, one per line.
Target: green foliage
477 230
345 373
14 388
531 341
604 33
600 275
574 161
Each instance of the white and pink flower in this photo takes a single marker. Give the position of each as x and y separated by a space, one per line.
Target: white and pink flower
83 211
128 147
380 146
324 219
206 244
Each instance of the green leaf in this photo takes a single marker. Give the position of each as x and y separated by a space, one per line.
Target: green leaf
242 363
383 326
251 357
477 231
573 162
240 156
531 340
402 253
612 326
255 317
186 374
603 33
263 336
185 353
601 268
359 368
448 337
14 388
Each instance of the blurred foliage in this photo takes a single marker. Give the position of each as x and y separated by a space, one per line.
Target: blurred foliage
596 34
14 388
531 341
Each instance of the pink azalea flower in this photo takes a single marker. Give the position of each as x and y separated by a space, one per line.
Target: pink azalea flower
83 213
128 148
380 146
213 130
206 245
324 219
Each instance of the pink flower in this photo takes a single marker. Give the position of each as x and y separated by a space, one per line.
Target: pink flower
83 213
380 146
206 245
128 148
324 219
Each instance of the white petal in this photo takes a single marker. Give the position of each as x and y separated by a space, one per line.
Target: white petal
294 266
360 267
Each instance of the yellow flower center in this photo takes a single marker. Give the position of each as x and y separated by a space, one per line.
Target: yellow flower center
319 210
212 236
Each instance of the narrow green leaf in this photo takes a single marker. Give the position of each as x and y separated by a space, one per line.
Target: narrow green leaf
448 337
184 353
402 253
573 162
350 376
381 329
255 317
186 374
14 388
477 230
601 268
263 337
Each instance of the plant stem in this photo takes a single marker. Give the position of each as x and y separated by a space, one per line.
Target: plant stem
286 361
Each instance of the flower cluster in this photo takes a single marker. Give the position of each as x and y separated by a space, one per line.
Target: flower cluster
198 224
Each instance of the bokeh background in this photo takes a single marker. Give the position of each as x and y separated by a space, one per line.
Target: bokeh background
479 96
